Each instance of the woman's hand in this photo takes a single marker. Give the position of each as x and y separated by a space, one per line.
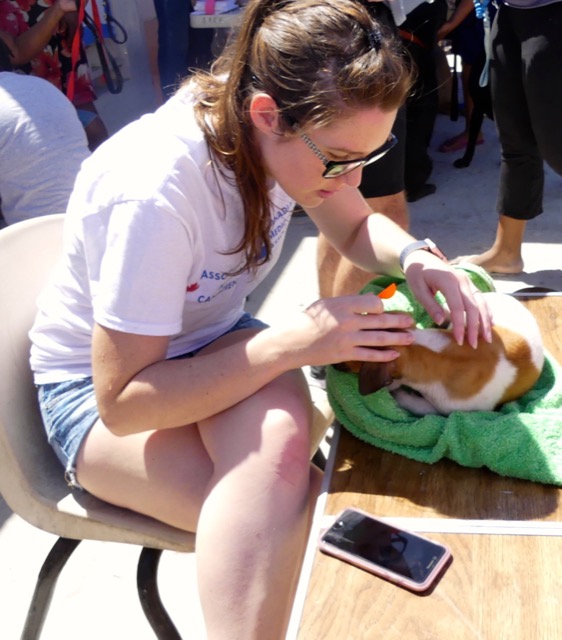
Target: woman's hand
354 327
66 6
427 274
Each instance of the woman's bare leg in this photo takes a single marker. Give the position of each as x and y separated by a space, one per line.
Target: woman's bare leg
459 141
253 525
504 256
393 206
244 480
337 276
163 474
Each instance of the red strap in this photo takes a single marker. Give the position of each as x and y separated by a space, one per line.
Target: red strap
412 37
209 7
75 51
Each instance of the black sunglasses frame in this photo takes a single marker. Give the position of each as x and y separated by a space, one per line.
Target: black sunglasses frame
337 168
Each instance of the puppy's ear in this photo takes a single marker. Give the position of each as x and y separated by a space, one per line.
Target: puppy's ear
374 376
352 366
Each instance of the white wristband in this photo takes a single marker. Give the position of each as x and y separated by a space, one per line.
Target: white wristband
425 245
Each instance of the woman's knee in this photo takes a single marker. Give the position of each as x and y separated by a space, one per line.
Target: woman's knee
270 429
285 435
286 440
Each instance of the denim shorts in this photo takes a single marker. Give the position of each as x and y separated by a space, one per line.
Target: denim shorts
69 409
86 117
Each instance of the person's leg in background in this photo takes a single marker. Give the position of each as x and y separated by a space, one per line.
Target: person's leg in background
421 110
419 35
200 52
94 126
179 46
526 100
468 43
337 276
382 185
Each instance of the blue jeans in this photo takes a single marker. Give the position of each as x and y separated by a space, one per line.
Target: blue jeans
179 46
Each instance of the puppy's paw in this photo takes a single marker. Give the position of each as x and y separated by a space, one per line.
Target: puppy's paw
413 402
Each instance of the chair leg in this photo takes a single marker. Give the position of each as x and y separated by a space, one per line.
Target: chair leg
319 460
46 582
147 585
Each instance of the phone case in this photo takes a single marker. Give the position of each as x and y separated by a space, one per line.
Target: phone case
436 554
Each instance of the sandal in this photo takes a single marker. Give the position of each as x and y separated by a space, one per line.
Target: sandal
456 143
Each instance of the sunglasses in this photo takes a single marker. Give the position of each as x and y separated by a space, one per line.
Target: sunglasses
335 169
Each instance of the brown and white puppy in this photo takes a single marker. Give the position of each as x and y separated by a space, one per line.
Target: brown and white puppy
446 377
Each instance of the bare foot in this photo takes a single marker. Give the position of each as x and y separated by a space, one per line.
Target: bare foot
492 262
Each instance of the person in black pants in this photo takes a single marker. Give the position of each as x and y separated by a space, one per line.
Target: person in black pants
527 101
419 35
408 167
179 46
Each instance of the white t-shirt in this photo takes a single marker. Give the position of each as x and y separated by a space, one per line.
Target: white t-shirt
148 235
42 145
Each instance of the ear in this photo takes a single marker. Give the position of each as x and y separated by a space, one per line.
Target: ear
264 113
351 366
373 376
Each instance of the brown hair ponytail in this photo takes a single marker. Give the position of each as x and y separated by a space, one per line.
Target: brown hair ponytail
318 59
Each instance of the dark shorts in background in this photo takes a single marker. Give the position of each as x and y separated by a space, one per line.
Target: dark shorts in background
385 177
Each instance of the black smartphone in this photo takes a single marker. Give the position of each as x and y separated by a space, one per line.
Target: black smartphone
399 556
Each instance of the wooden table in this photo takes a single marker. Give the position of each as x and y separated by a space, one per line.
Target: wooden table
505 580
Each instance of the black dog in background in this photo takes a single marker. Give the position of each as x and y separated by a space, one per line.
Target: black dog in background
482 99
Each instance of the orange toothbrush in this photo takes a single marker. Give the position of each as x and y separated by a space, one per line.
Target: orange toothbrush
387 292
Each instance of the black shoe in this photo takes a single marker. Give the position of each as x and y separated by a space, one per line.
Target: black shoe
421 192
318 372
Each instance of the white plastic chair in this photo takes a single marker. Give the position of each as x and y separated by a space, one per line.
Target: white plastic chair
31 480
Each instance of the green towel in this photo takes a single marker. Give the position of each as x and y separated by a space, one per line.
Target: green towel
523 439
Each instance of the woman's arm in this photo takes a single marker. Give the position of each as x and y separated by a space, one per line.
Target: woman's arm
370 240
138 390
374 243
462 10
349 224
30 43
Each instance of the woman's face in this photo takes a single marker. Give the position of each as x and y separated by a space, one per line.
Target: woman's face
298 169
